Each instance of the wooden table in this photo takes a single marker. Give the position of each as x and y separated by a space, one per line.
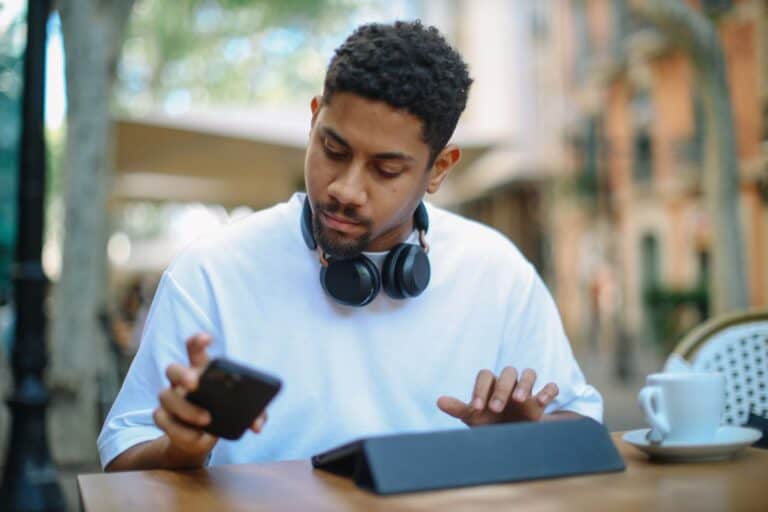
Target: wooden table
737 484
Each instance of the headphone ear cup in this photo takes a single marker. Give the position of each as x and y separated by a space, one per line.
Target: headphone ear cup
352 282
413 271
406 271
389 272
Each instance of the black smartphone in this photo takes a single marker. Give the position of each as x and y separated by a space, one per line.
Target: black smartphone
234 394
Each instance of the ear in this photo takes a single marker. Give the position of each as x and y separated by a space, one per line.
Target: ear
445 161
314 105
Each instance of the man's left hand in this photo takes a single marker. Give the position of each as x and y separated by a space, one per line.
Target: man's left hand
502 399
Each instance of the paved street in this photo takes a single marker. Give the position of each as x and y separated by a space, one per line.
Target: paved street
621 409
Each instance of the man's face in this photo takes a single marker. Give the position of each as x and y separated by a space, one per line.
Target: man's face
365 173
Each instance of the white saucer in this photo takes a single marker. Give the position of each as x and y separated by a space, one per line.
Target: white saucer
728 441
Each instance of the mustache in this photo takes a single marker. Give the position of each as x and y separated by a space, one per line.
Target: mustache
347 212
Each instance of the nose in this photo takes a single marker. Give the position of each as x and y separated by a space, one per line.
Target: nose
349 186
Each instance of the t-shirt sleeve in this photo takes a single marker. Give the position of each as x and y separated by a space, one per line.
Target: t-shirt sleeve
173 317
535 339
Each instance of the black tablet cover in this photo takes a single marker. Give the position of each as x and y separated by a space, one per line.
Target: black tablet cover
472 456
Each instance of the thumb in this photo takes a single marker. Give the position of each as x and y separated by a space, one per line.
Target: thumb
197 350
453 407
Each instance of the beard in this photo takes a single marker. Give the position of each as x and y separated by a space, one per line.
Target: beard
334 244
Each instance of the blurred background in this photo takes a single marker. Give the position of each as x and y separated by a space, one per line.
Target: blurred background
624 154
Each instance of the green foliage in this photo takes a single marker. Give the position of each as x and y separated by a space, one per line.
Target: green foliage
197 52
665 306
12 43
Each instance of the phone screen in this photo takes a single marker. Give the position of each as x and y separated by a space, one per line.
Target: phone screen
234 394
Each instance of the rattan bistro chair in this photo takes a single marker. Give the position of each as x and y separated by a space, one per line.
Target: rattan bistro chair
737 346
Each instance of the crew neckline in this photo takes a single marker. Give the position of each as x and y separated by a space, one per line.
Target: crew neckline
377 257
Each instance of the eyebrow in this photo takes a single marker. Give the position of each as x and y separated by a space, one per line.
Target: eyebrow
389 155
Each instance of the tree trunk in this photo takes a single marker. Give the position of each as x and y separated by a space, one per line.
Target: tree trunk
691 31
92 31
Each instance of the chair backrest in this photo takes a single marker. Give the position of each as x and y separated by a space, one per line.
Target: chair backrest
736 346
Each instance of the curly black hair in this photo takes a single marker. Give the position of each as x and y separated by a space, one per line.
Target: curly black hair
408 66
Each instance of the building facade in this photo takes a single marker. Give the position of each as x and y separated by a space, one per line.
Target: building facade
598 174
633 239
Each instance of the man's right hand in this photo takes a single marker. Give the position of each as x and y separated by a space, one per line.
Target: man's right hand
185 444
182 421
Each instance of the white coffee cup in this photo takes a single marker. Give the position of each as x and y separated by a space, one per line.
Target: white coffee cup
685 407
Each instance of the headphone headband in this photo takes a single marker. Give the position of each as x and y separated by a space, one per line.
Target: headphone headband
420 218
306 225
356 281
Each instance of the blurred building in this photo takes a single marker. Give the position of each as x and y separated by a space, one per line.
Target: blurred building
514 50
517 98
632 234
598 174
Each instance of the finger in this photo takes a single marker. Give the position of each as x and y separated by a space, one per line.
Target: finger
181 408
547 394
182 377
197 350
259 422
524 386
483 384
184 436
453 407
503 388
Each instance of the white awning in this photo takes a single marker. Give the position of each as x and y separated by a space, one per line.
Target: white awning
224 156
498 167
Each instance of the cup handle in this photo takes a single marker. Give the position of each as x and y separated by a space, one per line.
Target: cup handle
650 399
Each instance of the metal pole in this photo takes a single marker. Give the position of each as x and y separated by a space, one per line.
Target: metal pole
30 480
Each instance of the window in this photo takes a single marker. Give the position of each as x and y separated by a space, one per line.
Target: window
643 162
582 42
590 153
690 151
703 257
539 20
643 143
698 130
715 6
650 260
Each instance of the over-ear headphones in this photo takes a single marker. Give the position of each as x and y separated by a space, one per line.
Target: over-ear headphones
356 281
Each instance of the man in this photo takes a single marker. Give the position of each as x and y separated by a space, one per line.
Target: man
467 333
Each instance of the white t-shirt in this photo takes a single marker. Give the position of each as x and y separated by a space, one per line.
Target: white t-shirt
347 372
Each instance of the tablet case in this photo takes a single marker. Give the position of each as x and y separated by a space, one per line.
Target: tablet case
481 455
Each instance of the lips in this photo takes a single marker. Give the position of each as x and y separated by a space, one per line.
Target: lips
339 223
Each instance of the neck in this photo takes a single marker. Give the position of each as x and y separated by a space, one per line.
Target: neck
391 238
